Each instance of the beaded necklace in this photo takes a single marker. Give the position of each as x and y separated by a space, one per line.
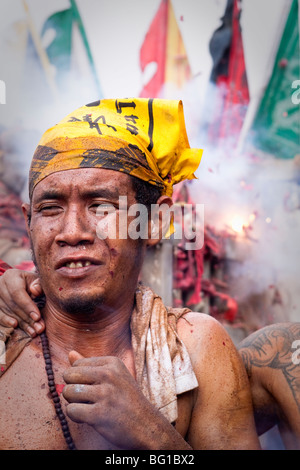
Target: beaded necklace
54 395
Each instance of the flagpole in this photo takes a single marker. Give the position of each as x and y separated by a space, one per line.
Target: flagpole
41 52
86 43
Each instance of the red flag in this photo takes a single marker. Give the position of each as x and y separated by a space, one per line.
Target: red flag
231 96
164 46
237 97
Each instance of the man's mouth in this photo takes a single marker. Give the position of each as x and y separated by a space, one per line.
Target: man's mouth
77 267
78 264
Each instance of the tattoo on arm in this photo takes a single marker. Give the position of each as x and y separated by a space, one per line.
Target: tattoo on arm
272 346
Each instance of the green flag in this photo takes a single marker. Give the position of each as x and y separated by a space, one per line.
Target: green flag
276 127
69 51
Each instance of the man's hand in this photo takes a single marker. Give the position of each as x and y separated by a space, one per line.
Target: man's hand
102 392
17 289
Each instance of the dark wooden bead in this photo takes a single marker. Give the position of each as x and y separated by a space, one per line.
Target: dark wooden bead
54 394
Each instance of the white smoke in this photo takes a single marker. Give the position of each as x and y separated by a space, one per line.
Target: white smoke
255 198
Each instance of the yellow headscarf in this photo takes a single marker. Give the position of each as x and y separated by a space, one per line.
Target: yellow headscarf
142 137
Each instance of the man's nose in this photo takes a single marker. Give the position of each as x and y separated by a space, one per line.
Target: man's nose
76 228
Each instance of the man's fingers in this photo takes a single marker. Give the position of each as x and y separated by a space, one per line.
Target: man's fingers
111 361
80 393
81 375
17 299
8 321
32 328
81 413
11 315
26 315
24 307
16 304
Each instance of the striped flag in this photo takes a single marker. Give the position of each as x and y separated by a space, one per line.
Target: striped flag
163 47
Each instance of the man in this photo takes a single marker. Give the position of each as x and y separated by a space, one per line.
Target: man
124 372
272 359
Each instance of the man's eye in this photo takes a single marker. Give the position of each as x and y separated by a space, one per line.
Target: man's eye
103 208
49 210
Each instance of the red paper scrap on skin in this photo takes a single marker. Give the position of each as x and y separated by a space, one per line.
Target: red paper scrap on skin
59 388
60 288
2 368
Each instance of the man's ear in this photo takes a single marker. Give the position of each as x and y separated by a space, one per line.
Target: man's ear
27 215
160 220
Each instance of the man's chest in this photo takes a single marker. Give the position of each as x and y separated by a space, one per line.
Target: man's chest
28 417
28 413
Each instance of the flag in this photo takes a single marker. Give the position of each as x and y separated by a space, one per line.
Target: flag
228 96
58 70
69 51
276 127
163 45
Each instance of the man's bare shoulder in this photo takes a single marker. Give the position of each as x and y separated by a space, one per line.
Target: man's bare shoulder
222 411
204 337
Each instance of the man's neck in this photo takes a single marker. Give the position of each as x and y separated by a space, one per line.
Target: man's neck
100 334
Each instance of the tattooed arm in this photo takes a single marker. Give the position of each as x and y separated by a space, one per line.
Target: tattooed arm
271 356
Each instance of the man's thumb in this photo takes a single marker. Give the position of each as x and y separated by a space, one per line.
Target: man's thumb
74 356
35 287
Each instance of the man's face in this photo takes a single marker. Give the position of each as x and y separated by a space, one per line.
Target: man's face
78 269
